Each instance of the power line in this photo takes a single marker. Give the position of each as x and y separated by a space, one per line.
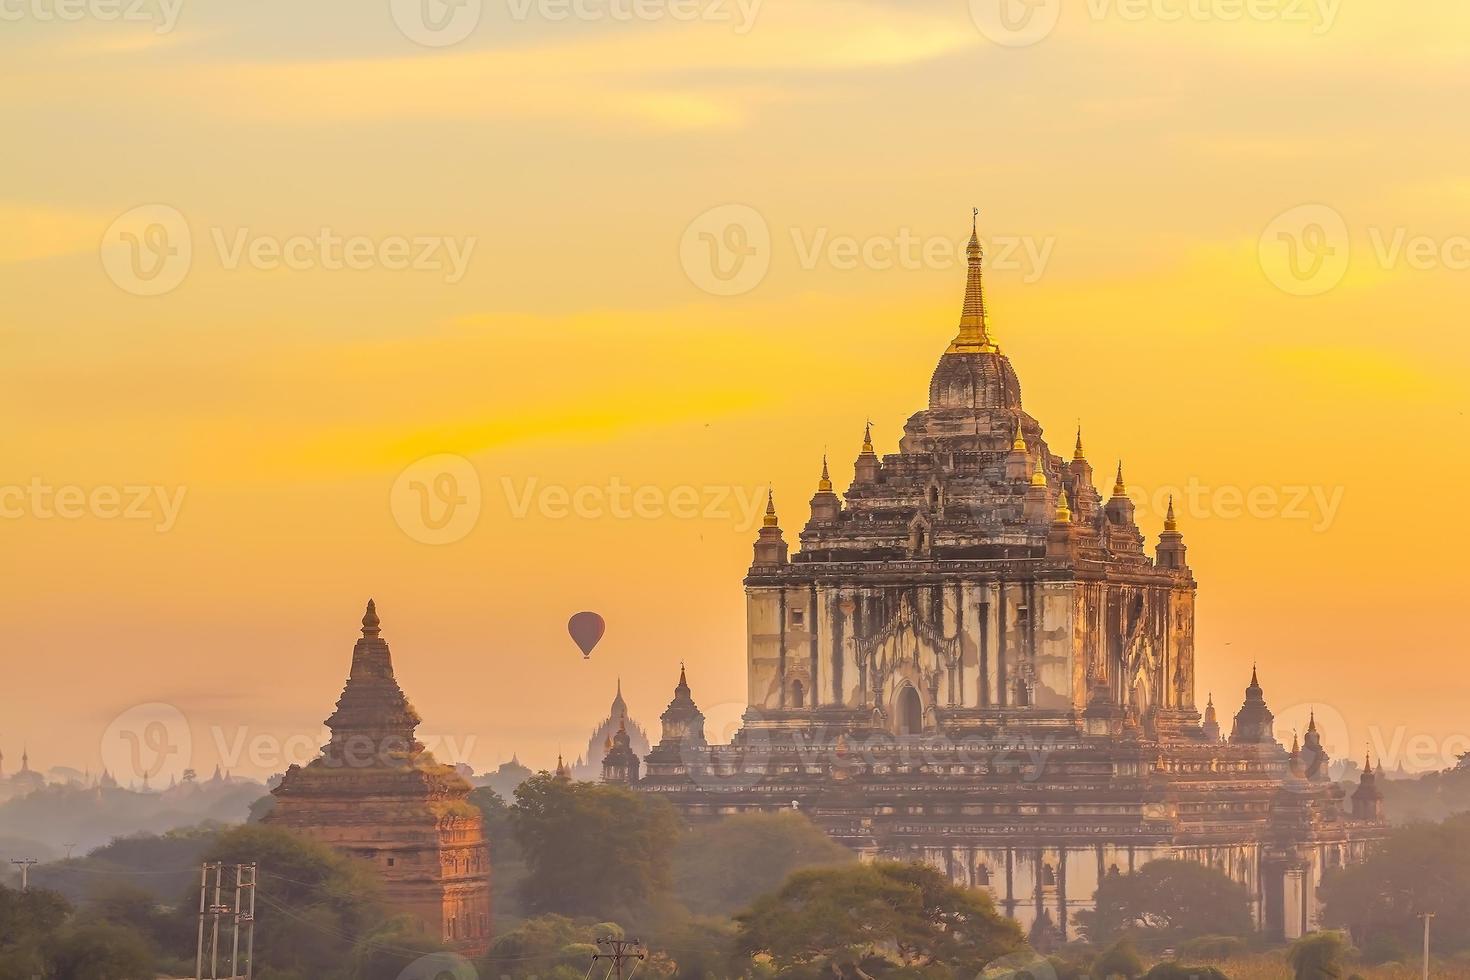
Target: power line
25 871
622 949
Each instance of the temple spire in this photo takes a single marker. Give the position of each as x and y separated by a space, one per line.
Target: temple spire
824 485
1019 443
1120 489
770 518
1077 454
868 438
974 335
370 621
1064 510
1170 524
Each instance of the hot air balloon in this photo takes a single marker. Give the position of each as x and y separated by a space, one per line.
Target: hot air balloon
586 629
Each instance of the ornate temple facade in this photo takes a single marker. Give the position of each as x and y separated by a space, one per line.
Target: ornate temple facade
974 661
376 794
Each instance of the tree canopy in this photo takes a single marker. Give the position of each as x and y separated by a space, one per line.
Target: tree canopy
722 867
1168 901
875 919
592 849
315 907
1319 956
1419 868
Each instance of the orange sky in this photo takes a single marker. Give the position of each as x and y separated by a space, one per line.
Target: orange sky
1136 176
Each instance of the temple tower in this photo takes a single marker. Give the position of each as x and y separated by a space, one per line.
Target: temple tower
376 794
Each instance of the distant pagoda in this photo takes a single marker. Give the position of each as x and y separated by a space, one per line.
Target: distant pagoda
589 767
376 794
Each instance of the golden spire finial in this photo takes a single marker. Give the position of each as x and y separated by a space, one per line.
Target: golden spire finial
1064 510
1038 478
770 520
1018 445
824 485
1077 453
868 437
1119 488
1169 523
974 336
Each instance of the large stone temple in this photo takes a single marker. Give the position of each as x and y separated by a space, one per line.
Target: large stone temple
974 661
375 793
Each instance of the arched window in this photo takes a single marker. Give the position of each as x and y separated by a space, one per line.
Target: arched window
910 712
798 695
982 875
1048 876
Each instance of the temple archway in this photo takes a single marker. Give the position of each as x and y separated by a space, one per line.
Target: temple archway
798 695
908 711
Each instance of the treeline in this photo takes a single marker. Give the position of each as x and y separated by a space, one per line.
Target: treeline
748 896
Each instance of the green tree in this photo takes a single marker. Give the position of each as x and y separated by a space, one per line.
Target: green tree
591 848
399 948
723 866
1119 960
1168 901
96 951
1419 868
871 919
506 884
313 907
551 946
164 863
1178 971
1319 956
27 917
27 921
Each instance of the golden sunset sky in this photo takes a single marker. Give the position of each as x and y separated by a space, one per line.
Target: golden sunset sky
1234 247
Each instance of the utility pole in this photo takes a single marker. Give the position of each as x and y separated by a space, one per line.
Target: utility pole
212 908
25 872
621 950
244 915
1426 916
